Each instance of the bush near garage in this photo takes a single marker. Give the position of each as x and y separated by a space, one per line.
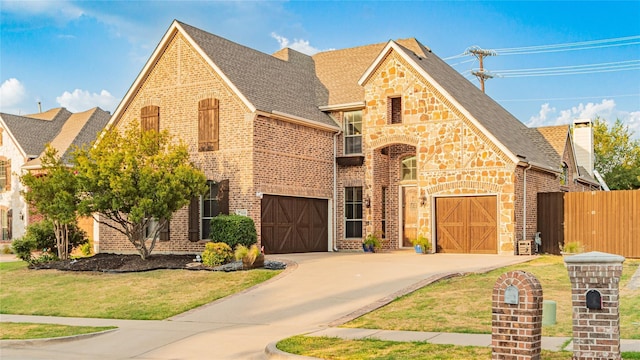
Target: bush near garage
234 230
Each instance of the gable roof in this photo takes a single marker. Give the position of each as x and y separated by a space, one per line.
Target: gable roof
32 132
507 132
556 140
339 70
263 82
59 127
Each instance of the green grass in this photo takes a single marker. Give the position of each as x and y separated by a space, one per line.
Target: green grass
17 331
152 295
339 349
463 304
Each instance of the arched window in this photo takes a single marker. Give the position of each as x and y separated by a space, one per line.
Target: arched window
409 169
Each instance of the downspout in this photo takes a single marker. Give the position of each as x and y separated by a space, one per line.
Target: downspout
524 206
335 191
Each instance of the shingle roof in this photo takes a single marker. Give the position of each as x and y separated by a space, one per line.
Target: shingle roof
269 83
508 130
556 137
339 70
34 131
59 127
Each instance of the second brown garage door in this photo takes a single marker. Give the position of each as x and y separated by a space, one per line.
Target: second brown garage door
294 225
466 224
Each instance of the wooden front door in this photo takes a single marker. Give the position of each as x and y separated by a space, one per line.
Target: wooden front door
409 214
467 224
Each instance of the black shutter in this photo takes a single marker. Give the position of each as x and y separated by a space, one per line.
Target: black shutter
223 197
164 230
194 219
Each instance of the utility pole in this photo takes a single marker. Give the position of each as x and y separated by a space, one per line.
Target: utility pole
481 74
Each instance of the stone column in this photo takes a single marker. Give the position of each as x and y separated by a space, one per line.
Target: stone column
595 279
516 326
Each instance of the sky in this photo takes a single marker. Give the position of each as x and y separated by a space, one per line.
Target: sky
551 62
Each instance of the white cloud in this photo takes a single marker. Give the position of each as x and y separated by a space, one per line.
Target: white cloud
81 100
606 110
541 118
12 93
300 45
64 10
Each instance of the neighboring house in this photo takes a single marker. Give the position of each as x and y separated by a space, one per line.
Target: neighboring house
322 150
24 138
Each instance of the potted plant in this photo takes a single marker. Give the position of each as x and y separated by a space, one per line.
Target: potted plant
251 257
371 243
422 245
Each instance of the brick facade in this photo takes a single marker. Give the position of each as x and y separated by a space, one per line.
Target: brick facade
267 153
257 154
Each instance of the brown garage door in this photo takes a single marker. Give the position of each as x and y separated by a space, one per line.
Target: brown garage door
466 225
294 225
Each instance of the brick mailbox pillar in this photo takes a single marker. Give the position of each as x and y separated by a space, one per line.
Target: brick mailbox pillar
516 317
595 288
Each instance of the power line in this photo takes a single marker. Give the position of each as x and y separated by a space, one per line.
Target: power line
581 45
571 98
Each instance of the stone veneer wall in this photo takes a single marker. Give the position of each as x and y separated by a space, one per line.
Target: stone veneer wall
454 157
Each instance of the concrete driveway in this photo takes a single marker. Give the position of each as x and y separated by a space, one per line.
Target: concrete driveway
316 290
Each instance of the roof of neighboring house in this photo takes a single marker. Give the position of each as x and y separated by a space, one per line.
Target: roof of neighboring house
32 132
79 129
269 83
59 127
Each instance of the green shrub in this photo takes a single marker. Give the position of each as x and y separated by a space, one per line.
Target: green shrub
233 230
7 250
41 236
216 254
85 249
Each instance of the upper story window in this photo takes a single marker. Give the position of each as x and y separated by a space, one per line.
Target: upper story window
150 118
564 177
395 110
208 123
409 169
353 132
5 174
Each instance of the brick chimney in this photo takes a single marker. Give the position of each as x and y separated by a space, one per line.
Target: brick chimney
583 143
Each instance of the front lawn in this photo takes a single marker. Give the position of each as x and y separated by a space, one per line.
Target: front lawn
463 304
152 295
13 331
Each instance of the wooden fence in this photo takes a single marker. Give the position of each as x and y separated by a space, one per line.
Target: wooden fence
601 221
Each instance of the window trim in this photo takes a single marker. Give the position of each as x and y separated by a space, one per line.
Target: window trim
5 167
347 136
211 184
412 170
353 204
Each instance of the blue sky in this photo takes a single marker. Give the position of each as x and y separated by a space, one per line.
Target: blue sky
81 54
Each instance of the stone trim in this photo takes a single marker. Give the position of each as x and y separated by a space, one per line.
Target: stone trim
394 139
489 187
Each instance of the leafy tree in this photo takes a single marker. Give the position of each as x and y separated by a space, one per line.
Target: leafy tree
136 180
52 193
617 155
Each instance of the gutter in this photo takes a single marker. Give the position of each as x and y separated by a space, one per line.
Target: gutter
524 206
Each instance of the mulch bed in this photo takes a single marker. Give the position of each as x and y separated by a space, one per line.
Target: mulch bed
133 263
